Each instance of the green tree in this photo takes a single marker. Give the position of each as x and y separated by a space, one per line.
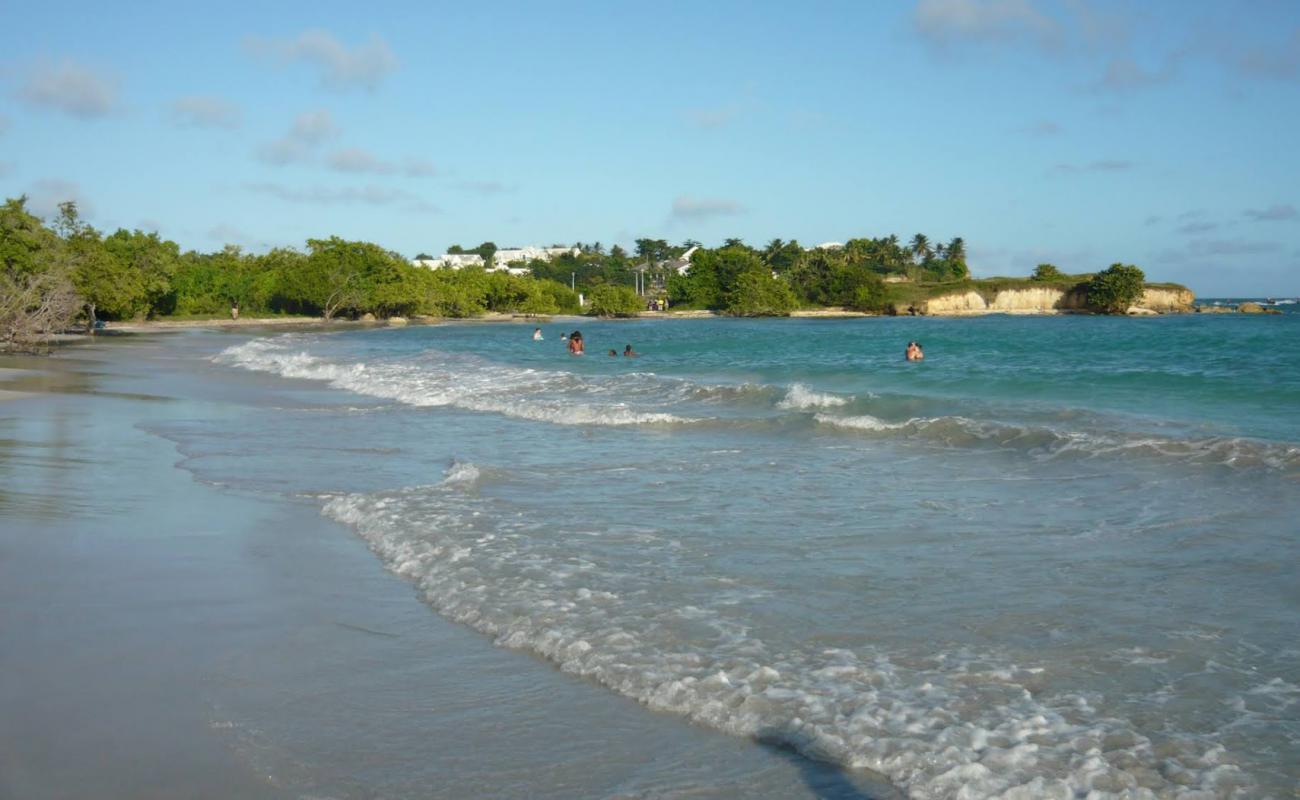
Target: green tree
614 301
755 293
108 285
1047 272
1116 288
37 298
921 248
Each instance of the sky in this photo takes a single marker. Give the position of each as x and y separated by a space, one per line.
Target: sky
1075 132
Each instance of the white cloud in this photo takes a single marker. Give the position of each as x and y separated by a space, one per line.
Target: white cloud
313 127
952 22
1274 213
346 195
363 66
1280 61
354 159
1044 128
1104 165
309 129
419 168
717 117
699 208
484 187
45 195
72 88
198 111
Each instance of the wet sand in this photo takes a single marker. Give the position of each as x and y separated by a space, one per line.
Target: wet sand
160 637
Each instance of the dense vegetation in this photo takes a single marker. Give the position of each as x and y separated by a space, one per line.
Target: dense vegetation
66 272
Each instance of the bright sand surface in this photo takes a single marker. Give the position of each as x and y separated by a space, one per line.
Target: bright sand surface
162 637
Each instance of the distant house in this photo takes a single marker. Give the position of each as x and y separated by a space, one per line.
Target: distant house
506 256
450 261
827 246
682 264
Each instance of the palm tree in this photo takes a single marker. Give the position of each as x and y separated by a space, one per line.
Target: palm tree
921 247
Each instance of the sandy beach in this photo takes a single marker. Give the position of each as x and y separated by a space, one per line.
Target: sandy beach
162 636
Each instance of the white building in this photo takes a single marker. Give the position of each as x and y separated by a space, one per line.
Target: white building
450 261
504 257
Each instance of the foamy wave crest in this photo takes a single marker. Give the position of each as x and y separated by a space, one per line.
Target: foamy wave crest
952 725
461 473
1043 442
438 379
801 398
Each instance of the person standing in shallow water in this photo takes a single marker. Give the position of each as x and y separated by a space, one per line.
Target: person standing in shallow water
537 334
913 352
629 352
575 343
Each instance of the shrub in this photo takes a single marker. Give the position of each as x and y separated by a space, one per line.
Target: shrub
614 301
1047 272
757 294
1116 288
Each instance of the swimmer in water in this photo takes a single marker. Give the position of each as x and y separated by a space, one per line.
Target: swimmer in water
913 352
629 352
575 343
537 334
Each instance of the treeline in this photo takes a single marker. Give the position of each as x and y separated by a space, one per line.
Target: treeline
776 279
54 276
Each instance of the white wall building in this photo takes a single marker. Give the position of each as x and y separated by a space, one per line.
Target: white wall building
450 261
504 257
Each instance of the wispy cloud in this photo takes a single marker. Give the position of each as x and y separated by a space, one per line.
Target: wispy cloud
356 159
716 117
419 168
1194 228
1124 74
45 195
686 207
309 129
1219 249
1280 61
1104 165
346 195
72 88
341 67
946 23
484 187
199 111
1043 128
1274 213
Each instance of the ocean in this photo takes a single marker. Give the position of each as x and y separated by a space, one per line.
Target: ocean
1058 556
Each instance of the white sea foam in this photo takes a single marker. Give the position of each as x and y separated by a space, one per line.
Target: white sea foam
466 382
1048 443
800 398
957 725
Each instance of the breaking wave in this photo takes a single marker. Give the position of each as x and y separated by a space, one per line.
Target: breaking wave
953 724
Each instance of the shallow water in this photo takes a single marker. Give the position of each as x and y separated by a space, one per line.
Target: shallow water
1058 556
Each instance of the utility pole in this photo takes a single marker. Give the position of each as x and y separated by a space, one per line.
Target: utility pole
573 281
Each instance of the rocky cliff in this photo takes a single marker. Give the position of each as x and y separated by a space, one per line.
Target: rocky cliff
1046 300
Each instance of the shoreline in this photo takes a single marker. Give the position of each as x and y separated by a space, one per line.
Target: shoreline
168 634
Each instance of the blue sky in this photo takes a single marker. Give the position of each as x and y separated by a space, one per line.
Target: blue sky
1081 132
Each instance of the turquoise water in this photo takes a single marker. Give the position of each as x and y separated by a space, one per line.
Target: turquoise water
1057 556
